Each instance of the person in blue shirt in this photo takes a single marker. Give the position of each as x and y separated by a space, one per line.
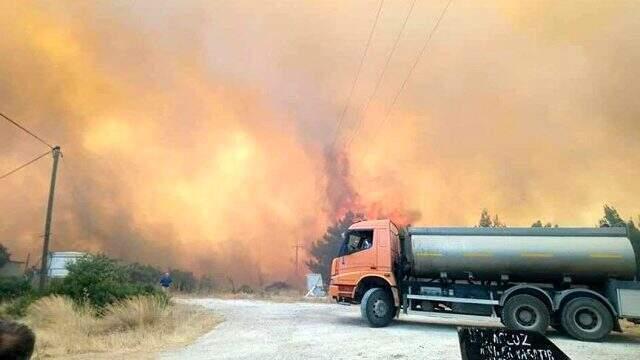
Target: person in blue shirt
165 281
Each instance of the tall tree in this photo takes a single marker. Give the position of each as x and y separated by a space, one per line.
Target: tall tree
497 223
325 249
485 219
611 218
634 237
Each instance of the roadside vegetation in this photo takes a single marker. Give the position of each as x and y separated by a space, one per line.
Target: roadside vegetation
138 326
102 305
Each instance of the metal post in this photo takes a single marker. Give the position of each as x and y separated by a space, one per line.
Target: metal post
47 223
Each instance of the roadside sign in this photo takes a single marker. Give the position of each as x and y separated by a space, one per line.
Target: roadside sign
314 285
504 344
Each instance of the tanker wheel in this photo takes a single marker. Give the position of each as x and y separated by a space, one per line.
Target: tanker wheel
377 307
587 319
526 312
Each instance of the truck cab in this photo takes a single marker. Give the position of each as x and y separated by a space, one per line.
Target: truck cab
366 260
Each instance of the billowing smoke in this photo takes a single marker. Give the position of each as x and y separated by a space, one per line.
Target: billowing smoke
195 134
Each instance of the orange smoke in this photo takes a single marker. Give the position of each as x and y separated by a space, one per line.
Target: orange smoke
195 135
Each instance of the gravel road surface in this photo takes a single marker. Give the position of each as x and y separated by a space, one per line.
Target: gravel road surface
268 330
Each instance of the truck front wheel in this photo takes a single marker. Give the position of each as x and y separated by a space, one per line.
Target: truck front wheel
587 319
377 307
526 312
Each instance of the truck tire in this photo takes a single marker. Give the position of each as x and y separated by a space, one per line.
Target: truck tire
377 307
587 319
526 312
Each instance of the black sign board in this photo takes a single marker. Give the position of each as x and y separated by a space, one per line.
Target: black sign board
503 344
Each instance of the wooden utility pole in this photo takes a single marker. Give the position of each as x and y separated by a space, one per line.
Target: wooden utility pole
26 263
47 223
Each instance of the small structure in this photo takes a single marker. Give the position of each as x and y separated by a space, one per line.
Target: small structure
12 269
315 288
58 261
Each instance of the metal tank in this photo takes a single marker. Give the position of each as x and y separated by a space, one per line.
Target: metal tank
586 255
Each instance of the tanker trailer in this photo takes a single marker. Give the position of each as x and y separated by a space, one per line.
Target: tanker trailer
576 280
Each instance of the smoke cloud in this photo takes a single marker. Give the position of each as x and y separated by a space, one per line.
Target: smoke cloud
196 134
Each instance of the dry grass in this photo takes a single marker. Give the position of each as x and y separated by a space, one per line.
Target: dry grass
630 328
138 328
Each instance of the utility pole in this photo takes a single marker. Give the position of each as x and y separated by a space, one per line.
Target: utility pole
47 223
26 263
297 246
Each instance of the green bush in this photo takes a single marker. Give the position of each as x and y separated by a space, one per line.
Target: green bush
99 281
16 294
13 287
142 274
17 308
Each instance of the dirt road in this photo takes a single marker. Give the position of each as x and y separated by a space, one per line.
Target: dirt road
266 330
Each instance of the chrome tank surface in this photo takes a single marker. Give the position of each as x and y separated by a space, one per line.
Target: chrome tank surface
524 254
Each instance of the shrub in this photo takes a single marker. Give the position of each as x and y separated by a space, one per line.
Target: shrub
16 294
17 307
99 281
13 287
135 312
145 275
54 309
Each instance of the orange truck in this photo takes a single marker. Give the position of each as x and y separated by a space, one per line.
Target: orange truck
577 280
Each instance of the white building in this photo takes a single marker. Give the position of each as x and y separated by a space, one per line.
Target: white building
58 261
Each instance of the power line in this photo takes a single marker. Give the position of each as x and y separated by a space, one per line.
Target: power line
355 81
26 130
24 165
415 63
381 76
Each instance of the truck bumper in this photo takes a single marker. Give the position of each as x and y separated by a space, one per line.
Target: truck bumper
341 292
333 291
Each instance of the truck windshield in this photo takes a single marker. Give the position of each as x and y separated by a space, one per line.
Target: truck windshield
355 241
